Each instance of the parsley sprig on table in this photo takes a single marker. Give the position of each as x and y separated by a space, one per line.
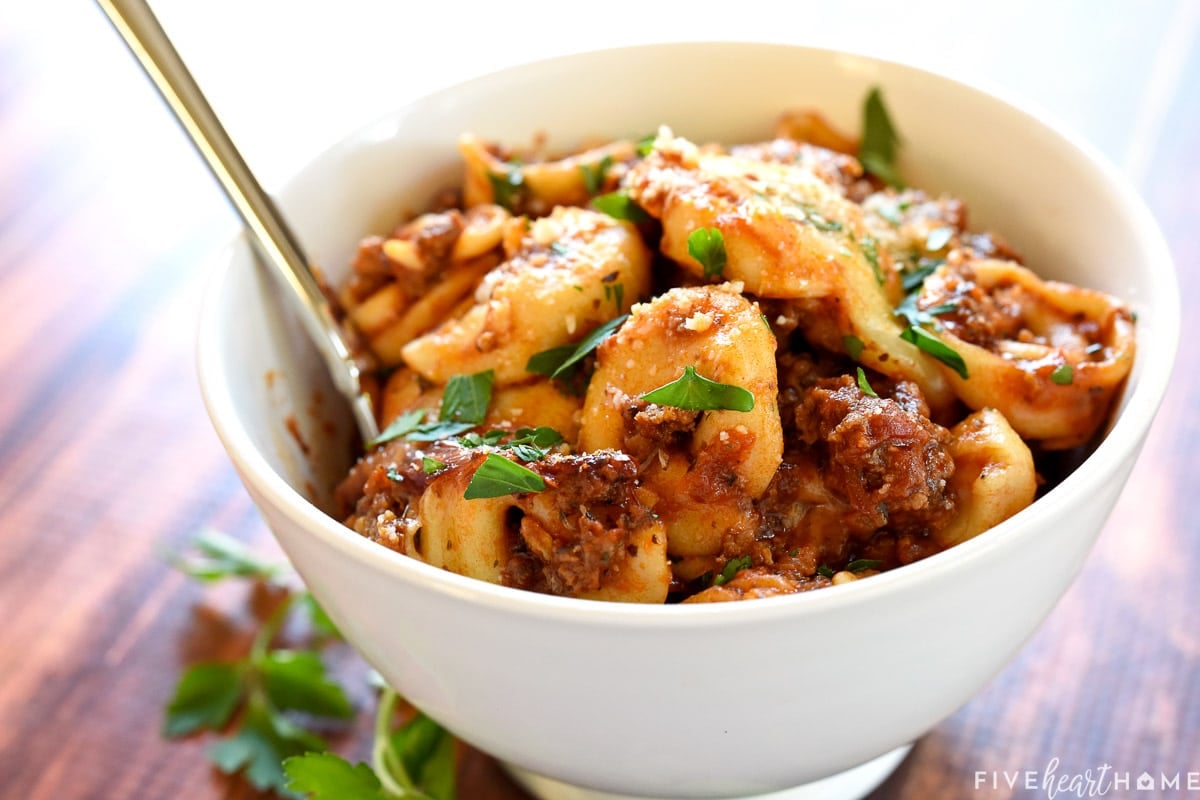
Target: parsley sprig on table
264 704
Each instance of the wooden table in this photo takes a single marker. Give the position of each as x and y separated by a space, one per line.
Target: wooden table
107 458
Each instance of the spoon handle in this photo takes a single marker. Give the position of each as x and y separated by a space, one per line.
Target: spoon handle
269 232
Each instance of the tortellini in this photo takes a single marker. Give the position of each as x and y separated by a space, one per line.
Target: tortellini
761 372
563 275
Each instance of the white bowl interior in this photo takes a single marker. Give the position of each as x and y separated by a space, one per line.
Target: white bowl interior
1043 191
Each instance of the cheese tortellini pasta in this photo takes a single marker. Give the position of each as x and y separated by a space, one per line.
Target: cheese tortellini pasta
660 371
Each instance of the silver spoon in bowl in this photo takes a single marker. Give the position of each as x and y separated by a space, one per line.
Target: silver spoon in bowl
270 233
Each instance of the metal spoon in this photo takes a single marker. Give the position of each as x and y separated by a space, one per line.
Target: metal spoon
273 239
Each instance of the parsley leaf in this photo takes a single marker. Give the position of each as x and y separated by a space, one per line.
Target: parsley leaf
620 205
863 564
548 361
707 246
854 346
542 436
577 353
295 680
916 278
218 555
880 142
400 426
317 617
434 431
645 145
204 698
431 465
325 776
616 293
1063 375
825 571
694 392
863 386
507 188
870 251
426 750
258 749
467 397
732 567
497 477
924 340
593 174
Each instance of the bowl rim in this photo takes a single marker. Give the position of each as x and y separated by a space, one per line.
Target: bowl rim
1119 446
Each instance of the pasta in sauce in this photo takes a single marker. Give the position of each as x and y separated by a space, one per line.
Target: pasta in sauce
659 371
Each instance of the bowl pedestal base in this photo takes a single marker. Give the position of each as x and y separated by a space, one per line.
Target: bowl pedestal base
854 783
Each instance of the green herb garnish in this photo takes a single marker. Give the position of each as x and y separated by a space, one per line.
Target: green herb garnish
854 346
863 385
593 174
620 205
467 397
863 564
825 570
870 250
400 426
508 186
880 142
431 465
414 762
938 238
732 567
912 281
1063 374
216 556
616 293
645 145
558 248
694 392
707 246
543 363
926 341
436 431
497 477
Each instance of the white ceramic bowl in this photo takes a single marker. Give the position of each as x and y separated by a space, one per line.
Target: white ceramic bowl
710 700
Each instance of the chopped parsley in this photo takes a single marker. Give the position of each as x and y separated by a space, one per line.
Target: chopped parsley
914 279
593 174
467 397
620 205
557 362
1063 375
497 477
400 426
870 250
694 392
880 142
707 246
616 293
863 564
854 346
506 188
645 145
732 567
825 571
430 465
863 385
926 341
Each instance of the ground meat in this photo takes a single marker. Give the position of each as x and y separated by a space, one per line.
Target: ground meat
650 427
976 315
579 530
889 464
378 496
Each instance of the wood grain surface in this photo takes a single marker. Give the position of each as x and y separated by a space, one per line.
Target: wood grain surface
107 460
